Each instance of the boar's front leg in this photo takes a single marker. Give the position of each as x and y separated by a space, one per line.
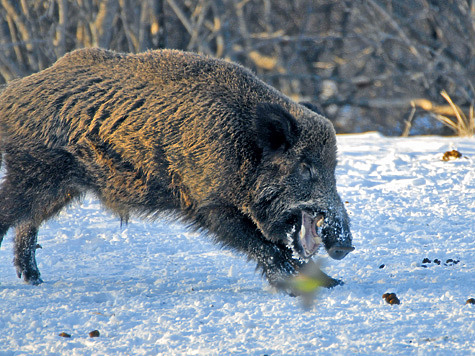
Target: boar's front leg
236 231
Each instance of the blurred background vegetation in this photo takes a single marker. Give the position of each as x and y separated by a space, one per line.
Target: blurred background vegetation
377 65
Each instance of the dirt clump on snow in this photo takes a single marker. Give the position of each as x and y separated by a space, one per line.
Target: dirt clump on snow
94 333
391 298
451 155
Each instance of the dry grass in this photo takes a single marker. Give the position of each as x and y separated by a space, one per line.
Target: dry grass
461 124
450 115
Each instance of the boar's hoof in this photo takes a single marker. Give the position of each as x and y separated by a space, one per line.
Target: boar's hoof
332 282
327 281
30 277
34 281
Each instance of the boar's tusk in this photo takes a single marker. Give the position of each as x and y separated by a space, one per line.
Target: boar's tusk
320 221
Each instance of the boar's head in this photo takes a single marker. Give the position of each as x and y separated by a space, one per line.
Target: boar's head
294 202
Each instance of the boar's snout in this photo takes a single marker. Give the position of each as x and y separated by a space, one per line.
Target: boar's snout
336 234
339 252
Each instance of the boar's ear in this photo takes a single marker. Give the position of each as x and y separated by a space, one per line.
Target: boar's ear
314 107
276 129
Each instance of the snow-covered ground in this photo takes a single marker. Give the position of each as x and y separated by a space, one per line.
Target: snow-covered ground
156 289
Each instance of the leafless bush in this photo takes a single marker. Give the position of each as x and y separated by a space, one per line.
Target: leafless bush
361 62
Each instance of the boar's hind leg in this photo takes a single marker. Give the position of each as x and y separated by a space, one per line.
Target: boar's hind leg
13 211
37 185
27 232
25 250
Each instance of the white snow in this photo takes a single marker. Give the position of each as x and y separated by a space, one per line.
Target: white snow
156 289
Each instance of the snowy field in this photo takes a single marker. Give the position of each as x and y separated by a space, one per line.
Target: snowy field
156 289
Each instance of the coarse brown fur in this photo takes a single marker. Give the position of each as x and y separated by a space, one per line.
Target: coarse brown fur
168 132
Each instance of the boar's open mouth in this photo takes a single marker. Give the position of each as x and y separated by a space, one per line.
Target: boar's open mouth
309 236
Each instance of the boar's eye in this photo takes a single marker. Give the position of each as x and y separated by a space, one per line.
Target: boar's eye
307 171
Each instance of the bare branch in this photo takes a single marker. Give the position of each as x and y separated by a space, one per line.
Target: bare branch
181 16
202 9
8 69
19 22
396 27
102 34
61 28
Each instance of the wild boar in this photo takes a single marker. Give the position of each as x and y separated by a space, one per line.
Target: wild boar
166 132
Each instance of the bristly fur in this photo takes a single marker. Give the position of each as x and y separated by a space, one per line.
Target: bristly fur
164 132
